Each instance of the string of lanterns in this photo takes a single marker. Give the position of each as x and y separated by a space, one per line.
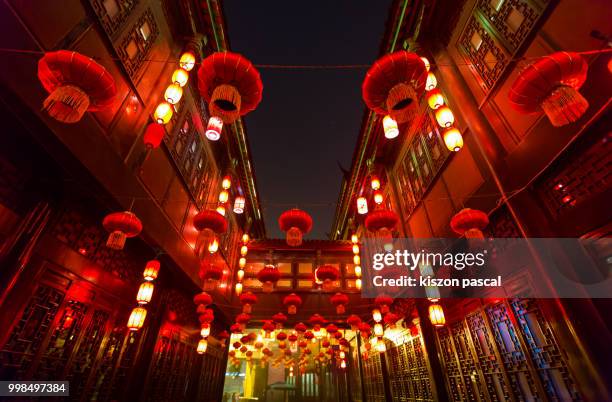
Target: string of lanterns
144 295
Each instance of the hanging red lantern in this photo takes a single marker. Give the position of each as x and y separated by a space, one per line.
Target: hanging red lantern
223 336
292 301
211 274
75 84
340 300
302 344
121 225
292 338
268 328
154 133
300 327
202 298
332 329
436 315
268 276
469 222
317 320
551 84
365 330
382 222
207 316
151 270
328 274
137 318
279 319
247 300
354 321
383 302
391 319
230 85
308 335
211 220
295 223
243 319
145 293
325 343
281 336
394 84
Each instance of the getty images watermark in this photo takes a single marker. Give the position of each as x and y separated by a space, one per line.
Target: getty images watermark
541 268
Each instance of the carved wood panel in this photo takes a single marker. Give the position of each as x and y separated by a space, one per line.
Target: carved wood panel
113 13
373 379
134 47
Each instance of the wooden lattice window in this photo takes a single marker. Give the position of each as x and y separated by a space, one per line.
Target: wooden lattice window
135 45
113 13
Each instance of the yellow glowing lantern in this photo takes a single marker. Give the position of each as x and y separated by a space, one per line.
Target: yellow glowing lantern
358 271
445 117
242 262
205 331
239 205
226 183
355 249
145 293
378 197
435 99
180 77
426 62
376 315
202 346
354 238
375 183
187 61
223 196
358 284
380 345
244 250
431 82
343 364
362 205
214 128
245 238
390 127
151 270
173 94
240 274
221 210
356 260
378 329
163 113
453 139
436 315
238 289
213 247
137 318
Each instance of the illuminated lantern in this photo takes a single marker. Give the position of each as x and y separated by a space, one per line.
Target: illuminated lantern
426 63
355 249
358 271
300 327
75 84
551 84
375 182
180 77
213 247
244 250
382 222
173 94
238 289
383 302
210 220
214 128
340 300
390 127
431 82
469 223
226 183
317 320
354 321
202 299
378 329
243 319
279 319
394 84
308 335
453 139
202 346
163 113
153 135
354 238
240 274
145 293
121 225
365 330
268 328
223 336
245 238
223 196
376 315
445 117
211 274
328 274
435 99
242 262
268 276
292 338
207 316
281 336
436 315
292 301
391 319
332 329
221 209
362 205
358 283
205 330
356 259
230 84
239 203
151 270
380 345
187 61
137 318
247 300
378 197
236 329
295 223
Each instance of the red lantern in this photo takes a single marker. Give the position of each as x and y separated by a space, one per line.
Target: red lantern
247 300
292 338
281 336
151 270
365 330
383 302
317 320
308 335
268 328
210 219
243 319
340 300
300 327
268 276
390 319
121 225
295 223
394 84
207 317
211 274
551 84
230 85
292 301
354 321
153 135
469 222
279 319
202 298
382 222
328 274
75 84
331 329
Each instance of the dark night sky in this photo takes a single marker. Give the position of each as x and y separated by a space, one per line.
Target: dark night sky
308 119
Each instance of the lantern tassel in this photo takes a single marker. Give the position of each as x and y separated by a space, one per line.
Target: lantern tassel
116 240
225 103
66 104
402 102
564 105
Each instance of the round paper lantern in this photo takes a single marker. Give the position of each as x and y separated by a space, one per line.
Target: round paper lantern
153 135
469 223
281 336
151 270
163 113
136 319
187 61
173 94
453 139
435 99
383 302
292 301
202 298
121 225
247 300
365 330
239 203
382 222
180 77
317 320
230 85
340 300
354 321
551 84
202 346
362 206
236 329
210 219
436 315
390 127
300 327
243 319
268 328
390 319
308 335
279 319
207 316
393 85
214 128
431 83
328 274
268 276
211 274
75 84
445 117
295 223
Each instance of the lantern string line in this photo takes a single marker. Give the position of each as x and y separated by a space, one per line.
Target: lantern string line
308 66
